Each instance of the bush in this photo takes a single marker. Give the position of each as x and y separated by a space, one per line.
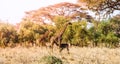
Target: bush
8 34
50 60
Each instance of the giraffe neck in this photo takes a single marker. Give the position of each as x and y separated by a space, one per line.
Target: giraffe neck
63 30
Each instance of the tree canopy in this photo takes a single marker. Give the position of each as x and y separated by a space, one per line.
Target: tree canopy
68 10
107 6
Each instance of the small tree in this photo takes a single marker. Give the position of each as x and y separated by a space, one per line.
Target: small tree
8 34
30 32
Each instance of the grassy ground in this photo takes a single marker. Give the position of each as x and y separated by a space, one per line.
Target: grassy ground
32 55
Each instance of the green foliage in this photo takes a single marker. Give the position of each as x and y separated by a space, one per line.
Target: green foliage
102 33
59 21
30 31
106 32
76 34
7 34
81 35
50 60
68 35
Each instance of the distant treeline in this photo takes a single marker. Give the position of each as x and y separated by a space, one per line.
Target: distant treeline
101 33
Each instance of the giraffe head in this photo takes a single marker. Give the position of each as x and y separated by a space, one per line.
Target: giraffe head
69 23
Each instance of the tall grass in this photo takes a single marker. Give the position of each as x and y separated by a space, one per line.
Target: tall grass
85 55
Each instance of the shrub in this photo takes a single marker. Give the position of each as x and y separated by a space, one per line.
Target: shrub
50 60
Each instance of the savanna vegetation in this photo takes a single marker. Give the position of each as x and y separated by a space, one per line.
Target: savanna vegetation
101 33
78 55
93 41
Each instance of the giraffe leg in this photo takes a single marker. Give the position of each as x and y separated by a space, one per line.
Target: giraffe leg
59 41
68 50
52 43
60 50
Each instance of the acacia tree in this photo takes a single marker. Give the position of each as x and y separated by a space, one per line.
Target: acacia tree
68 10
101 6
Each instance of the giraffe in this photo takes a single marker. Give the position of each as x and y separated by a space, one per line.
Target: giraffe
58 38
41 40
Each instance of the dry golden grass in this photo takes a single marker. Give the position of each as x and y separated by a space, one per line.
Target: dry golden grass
32 55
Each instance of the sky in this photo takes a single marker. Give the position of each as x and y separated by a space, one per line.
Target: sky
12 11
